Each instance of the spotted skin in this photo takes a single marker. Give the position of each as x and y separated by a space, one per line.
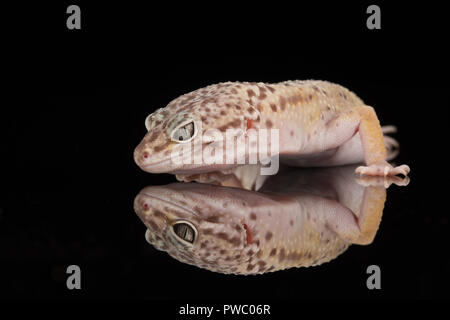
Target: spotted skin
319 123
308 221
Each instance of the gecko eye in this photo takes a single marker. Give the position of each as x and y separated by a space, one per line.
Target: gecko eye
184 231
185 132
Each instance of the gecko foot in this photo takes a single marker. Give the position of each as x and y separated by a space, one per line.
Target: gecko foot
382 181
383 168
391 145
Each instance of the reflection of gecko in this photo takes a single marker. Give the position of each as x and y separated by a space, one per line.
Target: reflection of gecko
299 218
320 124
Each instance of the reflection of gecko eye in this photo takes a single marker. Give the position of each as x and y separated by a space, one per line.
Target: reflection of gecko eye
184 133
184 231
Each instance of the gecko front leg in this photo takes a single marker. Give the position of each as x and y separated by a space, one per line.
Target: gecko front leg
374 147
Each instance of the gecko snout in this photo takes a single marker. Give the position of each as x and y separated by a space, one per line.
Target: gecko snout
141 156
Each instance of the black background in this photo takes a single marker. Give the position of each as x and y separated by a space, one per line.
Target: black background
74 109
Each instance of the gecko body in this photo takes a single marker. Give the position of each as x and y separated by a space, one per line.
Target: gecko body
319 124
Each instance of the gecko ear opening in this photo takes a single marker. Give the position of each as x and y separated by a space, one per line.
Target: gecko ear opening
184 132
184 232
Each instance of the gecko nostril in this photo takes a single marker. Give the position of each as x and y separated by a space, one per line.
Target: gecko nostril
145 155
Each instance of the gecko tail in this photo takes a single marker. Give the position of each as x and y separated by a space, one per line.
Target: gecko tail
392 145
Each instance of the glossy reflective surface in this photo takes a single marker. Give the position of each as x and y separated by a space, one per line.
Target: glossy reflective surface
299 217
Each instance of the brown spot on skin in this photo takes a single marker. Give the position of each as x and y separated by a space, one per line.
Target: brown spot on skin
235 241
271 268
197 209
269 124
250 110
274 107
203 118
224 205
250 252
207 109
291 222
222 113
153 225
153 137
207 231
262 96
234 91
228 258
292 133
253 216
237 228
250 93
238 107
250 267
270 88
310 97
223 251
281 255
268 236
261 264
294 256
295 99
212 219
233 269
166 153
161 147
203 245
309 255
237 257
158 214
315 88
235 124
273 252
282 103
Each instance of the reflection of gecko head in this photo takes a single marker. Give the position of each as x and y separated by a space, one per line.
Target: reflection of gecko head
191 121
197 226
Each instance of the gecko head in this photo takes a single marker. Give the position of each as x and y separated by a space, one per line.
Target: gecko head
191 223
182 136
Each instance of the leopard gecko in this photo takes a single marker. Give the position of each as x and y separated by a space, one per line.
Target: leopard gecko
319 124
